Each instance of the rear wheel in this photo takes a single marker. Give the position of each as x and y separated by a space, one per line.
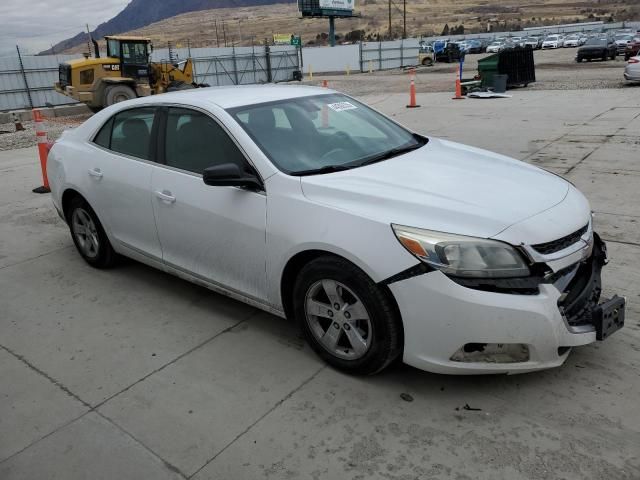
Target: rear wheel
579 59
118 93
346 318
427 62
88 235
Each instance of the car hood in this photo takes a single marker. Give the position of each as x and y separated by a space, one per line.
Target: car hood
443 186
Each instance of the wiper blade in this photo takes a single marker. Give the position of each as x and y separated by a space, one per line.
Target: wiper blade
321 170
394 152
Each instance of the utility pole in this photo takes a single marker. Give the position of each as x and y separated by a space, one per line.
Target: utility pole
217 38
389 19
224 34
404 18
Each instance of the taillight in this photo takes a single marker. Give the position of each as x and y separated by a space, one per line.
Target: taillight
634 60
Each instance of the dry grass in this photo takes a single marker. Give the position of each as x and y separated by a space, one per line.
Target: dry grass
246 24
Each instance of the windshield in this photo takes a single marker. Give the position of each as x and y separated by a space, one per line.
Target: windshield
323 133
553 38
596 41
624 37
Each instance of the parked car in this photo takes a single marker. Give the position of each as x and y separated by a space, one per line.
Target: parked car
632 49
426 55
597 48
622 41
552 41
531 42
474 46
572 41
382 243
632 70
496 47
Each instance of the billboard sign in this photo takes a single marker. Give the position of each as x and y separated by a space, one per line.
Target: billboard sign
337 4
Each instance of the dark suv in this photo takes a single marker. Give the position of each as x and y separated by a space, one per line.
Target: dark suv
597 48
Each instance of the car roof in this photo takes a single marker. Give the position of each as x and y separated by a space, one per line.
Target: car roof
235 96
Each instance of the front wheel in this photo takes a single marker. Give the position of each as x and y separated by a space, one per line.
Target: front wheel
346 318
427 62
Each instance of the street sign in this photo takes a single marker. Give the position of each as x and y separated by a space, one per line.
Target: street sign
295 41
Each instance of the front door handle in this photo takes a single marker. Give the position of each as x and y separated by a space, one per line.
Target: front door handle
166 196
95 172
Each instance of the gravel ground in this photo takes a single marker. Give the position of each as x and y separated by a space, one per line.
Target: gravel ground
555 70
27 138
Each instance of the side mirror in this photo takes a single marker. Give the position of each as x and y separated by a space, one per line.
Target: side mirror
230 175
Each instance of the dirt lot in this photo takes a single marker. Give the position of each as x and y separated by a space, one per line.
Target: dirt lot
555 70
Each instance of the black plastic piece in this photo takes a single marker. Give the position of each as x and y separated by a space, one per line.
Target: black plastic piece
414 271
608 317
561 243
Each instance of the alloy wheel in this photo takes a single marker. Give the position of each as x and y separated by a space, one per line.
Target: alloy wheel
338 319
85 232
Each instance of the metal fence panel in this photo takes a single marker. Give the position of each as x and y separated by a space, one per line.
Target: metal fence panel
41 73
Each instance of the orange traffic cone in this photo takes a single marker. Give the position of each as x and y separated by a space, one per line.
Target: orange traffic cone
458 91
43 150
412 91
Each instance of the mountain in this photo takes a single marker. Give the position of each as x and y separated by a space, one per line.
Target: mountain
139 13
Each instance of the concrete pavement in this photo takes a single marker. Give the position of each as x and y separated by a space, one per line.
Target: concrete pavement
132 373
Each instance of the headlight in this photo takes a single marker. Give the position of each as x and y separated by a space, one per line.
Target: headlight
462 256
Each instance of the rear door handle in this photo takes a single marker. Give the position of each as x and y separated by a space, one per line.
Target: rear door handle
166 196
95 172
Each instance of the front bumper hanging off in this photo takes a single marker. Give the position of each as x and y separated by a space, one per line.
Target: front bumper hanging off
458 329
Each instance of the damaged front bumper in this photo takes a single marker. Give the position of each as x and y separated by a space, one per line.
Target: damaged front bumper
465 329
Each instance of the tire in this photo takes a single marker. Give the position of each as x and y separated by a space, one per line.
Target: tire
118 93
91 241
365 313
427 62
579 59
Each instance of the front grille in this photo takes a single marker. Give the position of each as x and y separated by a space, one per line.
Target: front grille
561 243
64 74
582 294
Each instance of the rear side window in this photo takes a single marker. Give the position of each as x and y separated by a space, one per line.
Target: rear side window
104 135
131 132
195 141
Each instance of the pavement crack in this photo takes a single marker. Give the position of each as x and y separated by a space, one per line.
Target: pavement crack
57 383
166 464
621 242
179 357
21 262
267 413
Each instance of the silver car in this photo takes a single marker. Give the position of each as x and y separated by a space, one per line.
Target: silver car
632 70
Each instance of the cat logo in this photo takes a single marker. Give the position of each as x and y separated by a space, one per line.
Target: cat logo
112 67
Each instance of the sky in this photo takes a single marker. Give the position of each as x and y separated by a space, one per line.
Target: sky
35 25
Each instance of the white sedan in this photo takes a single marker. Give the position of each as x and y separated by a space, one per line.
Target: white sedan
380 242
553 41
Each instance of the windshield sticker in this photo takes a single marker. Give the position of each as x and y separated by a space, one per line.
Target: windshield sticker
341 106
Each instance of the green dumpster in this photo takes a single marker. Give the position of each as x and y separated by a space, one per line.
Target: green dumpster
487 68
517 64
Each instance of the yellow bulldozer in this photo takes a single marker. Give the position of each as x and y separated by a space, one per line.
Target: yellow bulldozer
125 73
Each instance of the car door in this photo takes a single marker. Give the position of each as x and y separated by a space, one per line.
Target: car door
120 176
213 233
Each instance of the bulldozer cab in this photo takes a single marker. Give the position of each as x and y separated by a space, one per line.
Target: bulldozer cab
133 55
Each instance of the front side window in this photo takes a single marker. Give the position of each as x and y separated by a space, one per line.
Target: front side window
134 53
113 48
130 132
322 132
194 141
